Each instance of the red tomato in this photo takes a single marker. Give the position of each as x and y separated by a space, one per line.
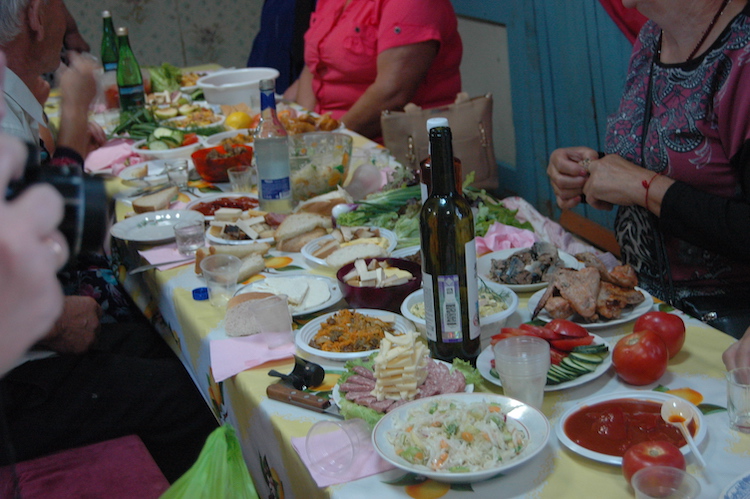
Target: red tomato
556 356
669 327
568 344
658 453
567 328
508 332
190 138
640 358
542 332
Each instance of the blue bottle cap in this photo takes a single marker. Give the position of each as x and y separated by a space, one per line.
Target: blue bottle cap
200 294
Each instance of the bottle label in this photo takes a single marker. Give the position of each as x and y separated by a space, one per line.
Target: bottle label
450 307
267 100
110 66
131 90
277 188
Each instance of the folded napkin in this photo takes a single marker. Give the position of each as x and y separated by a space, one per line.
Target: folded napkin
500 236
116 154
166 253
234 355
367 462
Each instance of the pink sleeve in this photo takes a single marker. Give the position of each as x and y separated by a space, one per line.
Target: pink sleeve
403 22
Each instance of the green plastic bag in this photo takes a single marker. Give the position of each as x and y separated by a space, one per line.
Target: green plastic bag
220 471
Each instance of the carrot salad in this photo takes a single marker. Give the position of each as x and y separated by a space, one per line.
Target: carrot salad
350 331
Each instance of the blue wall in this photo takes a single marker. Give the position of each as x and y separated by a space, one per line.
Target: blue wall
568 62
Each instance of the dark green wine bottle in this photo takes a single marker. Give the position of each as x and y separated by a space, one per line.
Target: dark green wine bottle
109 53
129 79
449 261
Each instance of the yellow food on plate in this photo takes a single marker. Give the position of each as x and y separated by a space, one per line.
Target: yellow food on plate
350 331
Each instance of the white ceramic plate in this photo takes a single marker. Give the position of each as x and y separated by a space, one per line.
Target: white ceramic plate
333 288
628 314
738 489
647 395
503 290
178 152
311 247
156 173
152 227
213 197
484 264
215 139
484 365
238 242
309 330
404 252
524 417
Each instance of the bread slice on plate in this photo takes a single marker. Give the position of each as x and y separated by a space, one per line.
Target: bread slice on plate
256 312
324 203
297 224
251 265
295 244
156 201
348 254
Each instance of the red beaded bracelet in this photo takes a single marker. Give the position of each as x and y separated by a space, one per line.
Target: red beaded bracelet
647 185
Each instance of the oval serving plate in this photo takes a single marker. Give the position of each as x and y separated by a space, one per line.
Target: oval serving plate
627 314
334 291
522 416
213 197
484 366
311 247
309 330
484 264
647 395
152 227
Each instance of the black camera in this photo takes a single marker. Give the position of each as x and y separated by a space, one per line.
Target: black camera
87 208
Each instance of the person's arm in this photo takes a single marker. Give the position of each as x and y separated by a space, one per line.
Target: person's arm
567 174
738 355
301 91
401 71
73 40
78 89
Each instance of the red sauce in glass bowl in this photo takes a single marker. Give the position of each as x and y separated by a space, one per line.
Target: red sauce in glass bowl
612 427
209 207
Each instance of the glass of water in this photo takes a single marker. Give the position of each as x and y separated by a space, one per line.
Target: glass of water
190 236
177 172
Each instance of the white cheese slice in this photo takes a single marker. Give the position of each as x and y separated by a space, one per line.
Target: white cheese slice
227 214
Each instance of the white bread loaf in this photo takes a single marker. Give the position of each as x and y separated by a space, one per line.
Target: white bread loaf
348 254
298 224
241 251
251 265
295 244
156 201
253 313
323 204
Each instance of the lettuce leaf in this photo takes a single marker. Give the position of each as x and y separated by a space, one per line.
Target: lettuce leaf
165 77
472 375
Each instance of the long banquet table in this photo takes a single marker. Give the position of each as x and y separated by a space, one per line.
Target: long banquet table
266 427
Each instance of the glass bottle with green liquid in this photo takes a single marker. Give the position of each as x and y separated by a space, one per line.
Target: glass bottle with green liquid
129 78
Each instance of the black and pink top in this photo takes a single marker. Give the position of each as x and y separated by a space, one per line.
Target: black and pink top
698 134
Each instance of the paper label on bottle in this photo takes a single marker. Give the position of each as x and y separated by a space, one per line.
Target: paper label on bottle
277 188
131 90
110 66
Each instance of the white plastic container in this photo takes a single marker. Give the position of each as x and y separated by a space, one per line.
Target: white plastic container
234 86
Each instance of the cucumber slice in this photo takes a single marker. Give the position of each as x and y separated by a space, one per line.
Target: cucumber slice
158 145
162 132
574 366
587 358
165 113
171 142
601 348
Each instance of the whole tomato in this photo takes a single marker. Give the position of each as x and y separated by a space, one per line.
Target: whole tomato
640 358
669 327
656 453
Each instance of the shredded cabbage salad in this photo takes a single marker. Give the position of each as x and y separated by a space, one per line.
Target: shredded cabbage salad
450 436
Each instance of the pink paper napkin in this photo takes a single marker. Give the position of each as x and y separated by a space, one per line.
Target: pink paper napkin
500 236
166 253
234 355
366 463
116 154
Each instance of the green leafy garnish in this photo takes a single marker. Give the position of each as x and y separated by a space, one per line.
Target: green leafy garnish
165 78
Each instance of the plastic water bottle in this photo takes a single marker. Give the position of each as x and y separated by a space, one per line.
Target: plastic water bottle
272 155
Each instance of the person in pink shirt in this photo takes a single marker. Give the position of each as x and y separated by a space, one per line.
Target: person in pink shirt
366 56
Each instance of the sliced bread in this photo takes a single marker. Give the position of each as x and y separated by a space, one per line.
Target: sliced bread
156 201
255 312
299 223
251 265
323 204
295 244
348 254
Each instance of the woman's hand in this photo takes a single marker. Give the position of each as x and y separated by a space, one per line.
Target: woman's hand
738 355
613 180
568 175
78 90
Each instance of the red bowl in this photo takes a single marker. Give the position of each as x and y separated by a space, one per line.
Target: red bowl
212 167
389 298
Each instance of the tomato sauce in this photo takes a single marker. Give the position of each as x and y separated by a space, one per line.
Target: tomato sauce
614 426
210 207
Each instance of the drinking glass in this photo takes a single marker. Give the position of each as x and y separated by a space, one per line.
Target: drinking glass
241 178
522 363
221 273
664 482
177 172
738 399
190 235
332 446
